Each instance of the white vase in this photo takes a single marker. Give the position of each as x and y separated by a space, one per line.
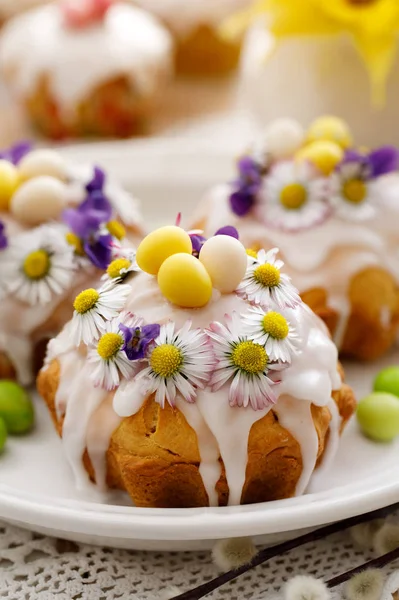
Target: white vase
305 77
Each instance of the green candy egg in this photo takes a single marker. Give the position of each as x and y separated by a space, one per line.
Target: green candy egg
378 416
387 380
16 408
3 435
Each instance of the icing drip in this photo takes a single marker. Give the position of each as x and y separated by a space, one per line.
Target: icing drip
296 417
222 431
332 446
101 426
209 467
231 429
74 429
19 350
129 42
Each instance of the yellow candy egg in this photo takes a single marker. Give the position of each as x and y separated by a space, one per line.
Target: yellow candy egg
184 281
8 183
226 261
42 162
39 200
332 129
323 154
158 245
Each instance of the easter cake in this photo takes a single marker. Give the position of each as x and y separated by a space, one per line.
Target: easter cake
59 225
332 209
199 47
194 384
99 69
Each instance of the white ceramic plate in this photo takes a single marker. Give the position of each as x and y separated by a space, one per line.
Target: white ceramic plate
37 490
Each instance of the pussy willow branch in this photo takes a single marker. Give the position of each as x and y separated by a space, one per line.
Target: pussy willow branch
375 563
268 553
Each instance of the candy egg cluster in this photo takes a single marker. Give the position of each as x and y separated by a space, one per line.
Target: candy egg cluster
323 144
185 280
34 191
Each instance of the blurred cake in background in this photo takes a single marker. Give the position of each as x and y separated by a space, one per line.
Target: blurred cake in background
332 208
10 8
200 49
92 67
60 225
309 57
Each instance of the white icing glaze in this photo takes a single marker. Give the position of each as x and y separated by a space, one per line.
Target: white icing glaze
209 468
74 430
128 42
325 256
221 430
298 421
100 427
184 15
332 446
22 324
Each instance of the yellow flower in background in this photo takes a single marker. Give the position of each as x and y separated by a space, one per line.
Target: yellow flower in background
373 24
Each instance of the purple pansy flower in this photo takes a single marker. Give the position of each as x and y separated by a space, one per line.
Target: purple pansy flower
97 182
3 237
86 221
15 153
379 162
137 339
228 230
198 240
246 187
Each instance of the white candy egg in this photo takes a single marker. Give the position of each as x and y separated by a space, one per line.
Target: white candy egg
42 162
225 259
39 200
283 137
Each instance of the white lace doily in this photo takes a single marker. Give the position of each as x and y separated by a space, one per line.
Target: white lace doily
34 567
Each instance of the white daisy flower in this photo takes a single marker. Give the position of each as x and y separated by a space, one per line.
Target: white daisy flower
292 198
245 362
123 263
108 358
352 194
272 330
38 264
265 285
93 308
179 362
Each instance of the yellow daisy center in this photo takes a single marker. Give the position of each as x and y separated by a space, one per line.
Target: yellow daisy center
250 357
76 242
166 360
293 196
116 229
252 253
115 267
267 275
109 345
36 264
354 190
275 325
86 300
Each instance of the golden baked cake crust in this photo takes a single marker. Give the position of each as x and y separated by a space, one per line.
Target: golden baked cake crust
154 455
